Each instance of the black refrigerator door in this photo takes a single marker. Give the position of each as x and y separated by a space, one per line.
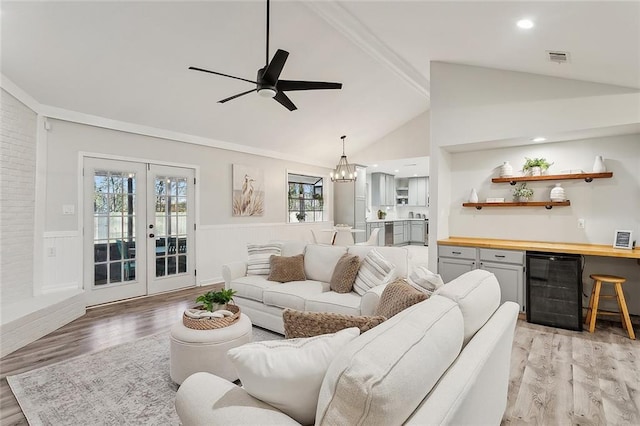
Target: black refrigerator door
554 290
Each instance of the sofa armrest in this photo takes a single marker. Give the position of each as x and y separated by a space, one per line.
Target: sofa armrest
370 300
232 271
206 399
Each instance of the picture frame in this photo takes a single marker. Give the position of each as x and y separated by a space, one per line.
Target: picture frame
623 239
248 191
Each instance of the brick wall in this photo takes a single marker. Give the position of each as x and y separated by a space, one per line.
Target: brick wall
17 198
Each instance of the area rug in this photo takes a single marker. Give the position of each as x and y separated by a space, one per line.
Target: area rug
128 384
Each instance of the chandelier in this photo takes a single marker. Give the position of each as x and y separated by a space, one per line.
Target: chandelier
344 171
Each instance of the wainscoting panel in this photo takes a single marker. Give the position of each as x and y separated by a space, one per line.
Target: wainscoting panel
62 262
221 244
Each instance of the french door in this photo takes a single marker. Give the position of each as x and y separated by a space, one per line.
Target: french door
138 229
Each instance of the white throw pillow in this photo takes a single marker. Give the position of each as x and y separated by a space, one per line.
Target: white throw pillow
374 271
259 254
424 280
288 373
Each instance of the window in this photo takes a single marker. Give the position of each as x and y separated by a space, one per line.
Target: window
305 199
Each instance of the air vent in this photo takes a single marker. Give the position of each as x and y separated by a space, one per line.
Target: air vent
557 56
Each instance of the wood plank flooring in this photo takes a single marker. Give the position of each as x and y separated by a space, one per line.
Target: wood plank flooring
557 377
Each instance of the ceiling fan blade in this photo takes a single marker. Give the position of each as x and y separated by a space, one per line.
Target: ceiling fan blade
285 101
236 96
290 85
273 70
224 75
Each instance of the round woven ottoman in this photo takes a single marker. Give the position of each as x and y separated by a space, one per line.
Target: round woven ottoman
206 350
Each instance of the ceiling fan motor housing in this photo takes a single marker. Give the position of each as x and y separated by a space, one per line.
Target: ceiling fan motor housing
265 88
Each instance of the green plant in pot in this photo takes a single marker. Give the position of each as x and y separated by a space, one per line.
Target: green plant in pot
300 216
214 300
535 166
522 193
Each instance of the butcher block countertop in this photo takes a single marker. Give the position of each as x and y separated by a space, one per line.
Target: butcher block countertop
585 249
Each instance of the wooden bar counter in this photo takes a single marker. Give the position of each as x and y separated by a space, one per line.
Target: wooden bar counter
585 249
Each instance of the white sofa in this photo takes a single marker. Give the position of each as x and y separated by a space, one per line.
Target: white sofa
263 301
442 361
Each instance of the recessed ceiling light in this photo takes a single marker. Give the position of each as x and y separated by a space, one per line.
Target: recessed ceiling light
415 174
525 24
374 165
397 171
539 139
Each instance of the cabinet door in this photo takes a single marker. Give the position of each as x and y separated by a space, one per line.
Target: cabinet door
417 231
511 280
381 236
413 192
390 190
450 269
422 191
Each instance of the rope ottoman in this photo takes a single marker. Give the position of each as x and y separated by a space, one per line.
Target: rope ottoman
206 350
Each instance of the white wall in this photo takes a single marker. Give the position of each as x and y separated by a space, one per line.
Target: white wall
17 197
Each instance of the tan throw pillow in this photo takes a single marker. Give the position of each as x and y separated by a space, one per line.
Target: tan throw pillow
309 324
344 274
398 296
285 269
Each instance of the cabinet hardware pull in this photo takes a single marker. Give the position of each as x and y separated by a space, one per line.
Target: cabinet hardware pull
499 255
456 252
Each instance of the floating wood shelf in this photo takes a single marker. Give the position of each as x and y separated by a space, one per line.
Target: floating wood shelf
588 177
546 204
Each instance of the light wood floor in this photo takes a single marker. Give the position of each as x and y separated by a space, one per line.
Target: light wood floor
558 377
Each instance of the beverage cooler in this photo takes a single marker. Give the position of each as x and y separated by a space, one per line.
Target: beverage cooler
554 290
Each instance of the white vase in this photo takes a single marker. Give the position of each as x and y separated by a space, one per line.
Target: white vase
598 165
536 171
522 199
473 196
506 170
557 193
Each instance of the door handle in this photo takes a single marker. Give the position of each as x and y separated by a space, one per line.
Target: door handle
151 235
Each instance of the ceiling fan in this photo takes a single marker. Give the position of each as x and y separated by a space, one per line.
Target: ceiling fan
268 83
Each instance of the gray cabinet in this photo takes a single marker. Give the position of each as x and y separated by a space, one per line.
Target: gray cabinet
418 191
373 225
383 189
506 265
407 230
417 231
398 232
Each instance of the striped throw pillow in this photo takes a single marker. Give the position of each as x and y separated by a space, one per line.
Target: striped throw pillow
374 271
259 254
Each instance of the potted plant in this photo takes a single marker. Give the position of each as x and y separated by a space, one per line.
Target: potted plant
300 216
214 300
381 214
521 193
535 166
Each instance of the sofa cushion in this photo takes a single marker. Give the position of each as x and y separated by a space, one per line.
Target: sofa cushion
380 377
291 247
344 274
288 373
320 261
399 256
293 294
258 257
287 268
374 271
397 297
251 286
477 293
330 301
309 324
424 280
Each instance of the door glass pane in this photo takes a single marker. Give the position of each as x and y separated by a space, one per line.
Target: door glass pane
113 226
170 225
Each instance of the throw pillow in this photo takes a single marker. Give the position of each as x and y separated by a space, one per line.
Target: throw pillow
344 275
374 271
309 324
259 255
397 297
424 280
285 269
288 373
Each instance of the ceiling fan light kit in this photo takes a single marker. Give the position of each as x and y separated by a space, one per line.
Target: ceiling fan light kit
268 83
344 171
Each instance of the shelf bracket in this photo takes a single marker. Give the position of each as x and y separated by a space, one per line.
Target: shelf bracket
478 207
589 179
512 182
548 207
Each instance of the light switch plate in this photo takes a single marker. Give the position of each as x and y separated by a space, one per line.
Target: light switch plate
68 209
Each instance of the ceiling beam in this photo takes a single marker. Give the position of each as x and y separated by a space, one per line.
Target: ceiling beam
355 31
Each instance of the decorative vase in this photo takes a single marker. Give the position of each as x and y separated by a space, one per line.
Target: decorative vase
522 199
473 197
598 165
536 171
557 193
506 170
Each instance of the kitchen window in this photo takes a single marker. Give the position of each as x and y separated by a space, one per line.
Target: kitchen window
305 198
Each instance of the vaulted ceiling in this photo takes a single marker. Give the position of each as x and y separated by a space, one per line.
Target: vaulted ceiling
129 61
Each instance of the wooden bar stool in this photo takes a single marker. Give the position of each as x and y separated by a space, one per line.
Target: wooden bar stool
592 311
